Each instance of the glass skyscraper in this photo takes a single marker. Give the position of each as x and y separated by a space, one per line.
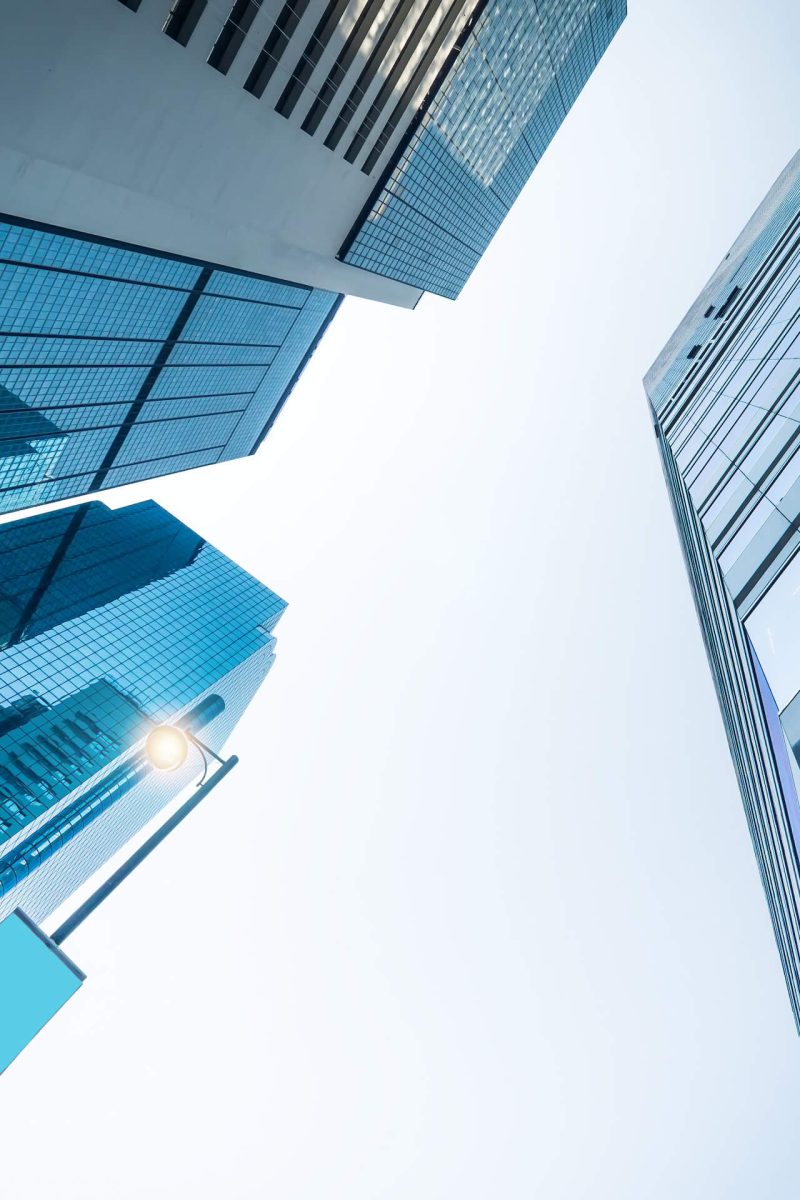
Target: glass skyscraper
133 621
59 565
363 147
119 365
725 397
496 106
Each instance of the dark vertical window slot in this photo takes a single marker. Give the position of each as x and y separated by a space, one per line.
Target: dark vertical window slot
272 51
232 34
724 308
334 11
413 85
392 80
182 20
369 72
344 60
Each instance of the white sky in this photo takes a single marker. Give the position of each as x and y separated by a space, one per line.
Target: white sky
484 920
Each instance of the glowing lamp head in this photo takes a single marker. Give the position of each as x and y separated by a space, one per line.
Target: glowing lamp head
167 747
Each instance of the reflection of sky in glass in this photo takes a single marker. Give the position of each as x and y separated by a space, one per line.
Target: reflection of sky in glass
141 364
787 770
191 622
774 629
515 80
164 643
55 566
725 393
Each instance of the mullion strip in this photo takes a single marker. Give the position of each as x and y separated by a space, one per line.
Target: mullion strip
152 378
81 405
123 366
128 423
48 575
110 337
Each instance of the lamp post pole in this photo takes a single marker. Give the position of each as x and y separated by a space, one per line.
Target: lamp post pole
37 977
114 880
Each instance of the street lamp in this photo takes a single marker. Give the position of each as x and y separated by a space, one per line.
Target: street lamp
166 747
46 978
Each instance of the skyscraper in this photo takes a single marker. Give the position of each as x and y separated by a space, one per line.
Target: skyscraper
171 254
725 397
60 565
173 632
495 106
369 147
117 365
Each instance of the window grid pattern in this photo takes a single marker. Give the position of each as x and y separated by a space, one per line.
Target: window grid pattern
110 644
142 365
727 416
488 124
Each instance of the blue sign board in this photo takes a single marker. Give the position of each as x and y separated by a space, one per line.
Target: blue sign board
36 979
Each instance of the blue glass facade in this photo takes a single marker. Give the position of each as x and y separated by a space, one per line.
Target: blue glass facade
61 564
725 396
179 634
118 365
488 122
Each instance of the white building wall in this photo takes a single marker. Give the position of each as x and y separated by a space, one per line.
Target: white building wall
112 129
